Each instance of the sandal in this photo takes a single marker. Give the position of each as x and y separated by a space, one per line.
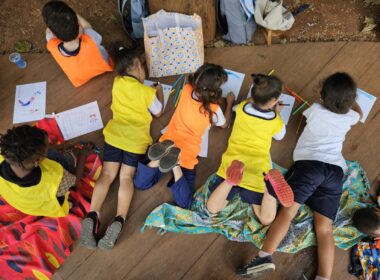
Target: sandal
159 149
235 173
170 160
280 187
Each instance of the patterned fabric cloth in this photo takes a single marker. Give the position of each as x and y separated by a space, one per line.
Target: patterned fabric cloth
369 257
237 221
34 247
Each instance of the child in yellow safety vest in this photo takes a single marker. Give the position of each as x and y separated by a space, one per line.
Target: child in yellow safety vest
33 179
127 137
74 44
246 164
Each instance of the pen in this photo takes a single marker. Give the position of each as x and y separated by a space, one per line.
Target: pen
282 104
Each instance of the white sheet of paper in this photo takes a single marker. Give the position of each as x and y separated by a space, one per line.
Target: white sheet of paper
286 110
166 90
204 144
30 102
234 83
366 102
80 120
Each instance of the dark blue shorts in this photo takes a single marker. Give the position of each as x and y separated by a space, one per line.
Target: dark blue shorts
113 154
316 184
247 196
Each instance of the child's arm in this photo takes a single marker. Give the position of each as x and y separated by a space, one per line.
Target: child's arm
357 109
160 97
228 112
84 23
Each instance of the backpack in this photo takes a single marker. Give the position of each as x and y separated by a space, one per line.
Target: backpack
235 19
132 12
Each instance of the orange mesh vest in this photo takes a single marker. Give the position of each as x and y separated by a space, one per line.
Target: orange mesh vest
187 127
82 67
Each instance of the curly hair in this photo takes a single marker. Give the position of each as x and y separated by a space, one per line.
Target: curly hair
21 143
206 81
124 57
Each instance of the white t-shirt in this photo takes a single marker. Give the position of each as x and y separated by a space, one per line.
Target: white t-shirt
324 134
155 107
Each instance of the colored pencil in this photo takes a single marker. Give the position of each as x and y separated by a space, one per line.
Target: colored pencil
270 72
299 124
299 108
299 98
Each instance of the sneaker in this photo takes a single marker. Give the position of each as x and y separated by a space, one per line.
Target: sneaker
159 149
279 188
108 241
257 267
90 227
235 173
170 160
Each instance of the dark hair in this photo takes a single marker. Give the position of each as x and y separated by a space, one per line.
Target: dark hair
206 81
124 58
22 142
265 88
61 19
367 220
338 93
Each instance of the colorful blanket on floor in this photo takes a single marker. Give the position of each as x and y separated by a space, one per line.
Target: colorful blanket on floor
238 222
34 247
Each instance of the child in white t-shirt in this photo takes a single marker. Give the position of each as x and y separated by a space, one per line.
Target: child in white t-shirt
316 176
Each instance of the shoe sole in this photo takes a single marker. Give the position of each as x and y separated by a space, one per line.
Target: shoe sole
160 149
259 270
283 191
87 239
109 239
170 160
235 173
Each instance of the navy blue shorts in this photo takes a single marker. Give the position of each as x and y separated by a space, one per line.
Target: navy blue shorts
113 154
247 196
316 184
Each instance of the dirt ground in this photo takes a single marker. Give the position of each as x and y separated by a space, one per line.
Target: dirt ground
325 20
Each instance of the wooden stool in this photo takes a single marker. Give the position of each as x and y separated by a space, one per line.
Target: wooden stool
268 34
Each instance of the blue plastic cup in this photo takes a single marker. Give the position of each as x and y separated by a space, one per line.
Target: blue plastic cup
17 59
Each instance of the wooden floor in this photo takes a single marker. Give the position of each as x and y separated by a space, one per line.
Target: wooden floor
209 256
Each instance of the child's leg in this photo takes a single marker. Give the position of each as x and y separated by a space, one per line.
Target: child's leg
183 186
266 212
126 189
102 185
218 199
147 175
325 241
279 228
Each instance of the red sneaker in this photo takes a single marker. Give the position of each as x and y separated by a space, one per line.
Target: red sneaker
280 187
235 173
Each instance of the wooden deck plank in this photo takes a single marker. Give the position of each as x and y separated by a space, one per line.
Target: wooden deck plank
149 256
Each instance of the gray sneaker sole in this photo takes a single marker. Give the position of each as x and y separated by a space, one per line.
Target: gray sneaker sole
87 239
109 239
160 149
170 160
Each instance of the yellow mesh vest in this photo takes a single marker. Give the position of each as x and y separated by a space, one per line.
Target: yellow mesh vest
41 199
129 128
250 142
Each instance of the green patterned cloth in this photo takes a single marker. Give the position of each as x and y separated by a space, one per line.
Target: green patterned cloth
238 222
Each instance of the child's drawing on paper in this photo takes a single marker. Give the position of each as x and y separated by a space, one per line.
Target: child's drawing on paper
30 102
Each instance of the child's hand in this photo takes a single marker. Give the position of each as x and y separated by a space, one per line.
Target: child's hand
230 98
278 107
